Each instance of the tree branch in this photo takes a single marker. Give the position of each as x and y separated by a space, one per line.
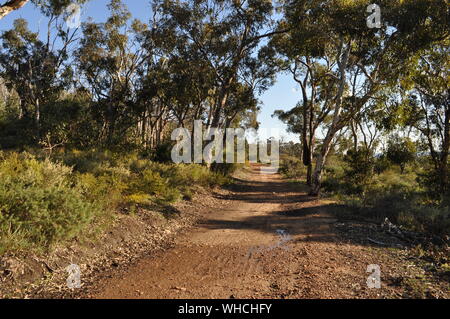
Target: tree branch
10 6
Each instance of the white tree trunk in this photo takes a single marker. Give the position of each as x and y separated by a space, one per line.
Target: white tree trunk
343 56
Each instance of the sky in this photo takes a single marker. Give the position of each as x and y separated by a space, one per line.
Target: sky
283 95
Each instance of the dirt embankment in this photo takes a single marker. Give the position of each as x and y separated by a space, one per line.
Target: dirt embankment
264 238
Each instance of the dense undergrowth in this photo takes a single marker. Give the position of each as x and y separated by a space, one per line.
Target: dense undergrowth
405 199
46 200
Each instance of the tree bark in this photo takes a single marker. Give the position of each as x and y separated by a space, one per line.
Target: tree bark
10 6
38 119
309 174
335 125
445 152
317 175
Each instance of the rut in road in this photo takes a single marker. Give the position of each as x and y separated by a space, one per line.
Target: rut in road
270 241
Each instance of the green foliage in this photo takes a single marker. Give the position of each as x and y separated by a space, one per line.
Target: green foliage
359 171
292 167
405 207
163 152
137 177
401 151
398 197
126 84
44 202
225 168
430 178
69 121
381 164
290 149
40 205
34 69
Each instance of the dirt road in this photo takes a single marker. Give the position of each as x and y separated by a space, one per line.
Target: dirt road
269 241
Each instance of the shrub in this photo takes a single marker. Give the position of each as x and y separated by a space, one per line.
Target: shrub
359 170
403 205
431 219
225 168
430 179
292 167
401 151
381 164
163 153
44 202
138 179
39 203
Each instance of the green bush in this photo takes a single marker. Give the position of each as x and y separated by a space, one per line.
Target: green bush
381 164
43 202
163 153
404 205
431 219
403 198
140 180
430 179
39 203
292 167
401 151
359 171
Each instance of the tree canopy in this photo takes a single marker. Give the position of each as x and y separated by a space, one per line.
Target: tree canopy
127 83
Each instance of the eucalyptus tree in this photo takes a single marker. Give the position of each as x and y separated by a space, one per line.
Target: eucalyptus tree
38 70
401 151
11 5
225 35
432 84
175 83
426 105
109 60
6 7
364 60
172 90
317 83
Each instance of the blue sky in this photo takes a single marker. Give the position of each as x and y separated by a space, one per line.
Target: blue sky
283 95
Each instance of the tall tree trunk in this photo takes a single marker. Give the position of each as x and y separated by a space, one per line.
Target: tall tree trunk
38 119
444 155
309 171
335 125
223 100
22 108
111 127
354 134
306 145
320 163
144 129
312 143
